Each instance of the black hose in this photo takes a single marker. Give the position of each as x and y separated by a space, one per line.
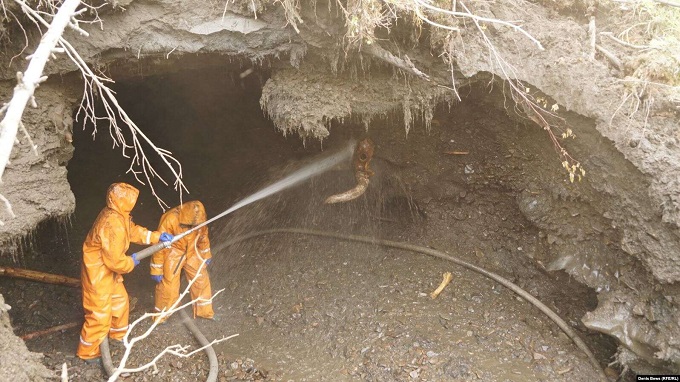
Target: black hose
106 357
212 357
435 253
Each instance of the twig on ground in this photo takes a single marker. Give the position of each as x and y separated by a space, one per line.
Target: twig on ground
446 279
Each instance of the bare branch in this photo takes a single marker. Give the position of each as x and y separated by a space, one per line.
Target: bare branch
669 3
26 87
404 64
97 84
177 350
476 19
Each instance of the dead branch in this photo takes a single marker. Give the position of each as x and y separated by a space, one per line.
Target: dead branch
404 64
593 37
290 8
611 57
624 43
39 276
475 18
51 330
177 350
140 166
28 81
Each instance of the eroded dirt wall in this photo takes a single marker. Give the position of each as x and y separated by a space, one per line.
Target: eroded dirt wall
18 364
34 181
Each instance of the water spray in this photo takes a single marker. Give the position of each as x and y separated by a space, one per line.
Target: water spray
298 176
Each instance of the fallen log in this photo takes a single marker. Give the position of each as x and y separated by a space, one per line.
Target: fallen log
39 276
51 330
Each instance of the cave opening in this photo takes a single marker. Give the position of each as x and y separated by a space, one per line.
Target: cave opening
333 308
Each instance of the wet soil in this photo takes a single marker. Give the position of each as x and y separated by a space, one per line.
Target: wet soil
311 309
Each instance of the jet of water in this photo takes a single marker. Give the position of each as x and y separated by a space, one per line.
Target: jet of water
298 176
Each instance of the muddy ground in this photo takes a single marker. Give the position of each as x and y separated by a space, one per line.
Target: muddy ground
311 309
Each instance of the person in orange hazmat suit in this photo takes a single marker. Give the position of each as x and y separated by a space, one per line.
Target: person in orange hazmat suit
188 253
105 299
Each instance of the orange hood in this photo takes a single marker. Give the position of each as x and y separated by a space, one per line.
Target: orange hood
192 213
121 198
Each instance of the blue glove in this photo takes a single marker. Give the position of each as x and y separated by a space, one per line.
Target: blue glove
207 262
165 237
157 279
134 258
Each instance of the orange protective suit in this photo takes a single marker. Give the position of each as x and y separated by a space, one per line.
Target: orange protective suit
187 253
105 299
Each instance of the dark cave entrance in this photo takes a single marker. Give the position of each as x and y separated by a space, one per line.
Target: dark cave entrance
210 119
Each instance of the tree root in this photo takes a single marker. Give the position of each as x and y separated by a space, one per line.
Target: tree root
404 64
611 57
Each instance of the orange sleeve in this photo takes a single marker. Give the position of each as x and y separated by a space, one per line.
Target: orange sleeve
203 244
158 258
111 235
141 235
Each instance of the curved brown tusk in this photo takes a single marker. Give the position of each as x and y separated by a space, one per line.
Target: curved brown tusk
362 158
357 191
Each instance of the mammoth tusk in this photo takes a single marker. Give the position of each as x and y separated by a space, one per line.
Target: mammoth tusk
357 191
362 158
